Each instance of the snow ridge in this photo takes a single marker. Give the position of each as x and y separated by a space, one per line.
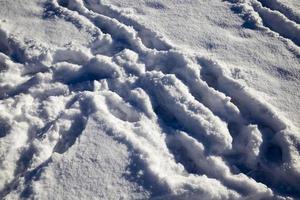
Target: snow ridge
198 132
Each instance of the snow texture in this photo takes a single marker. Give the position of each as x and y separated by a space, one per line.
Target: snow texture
132 116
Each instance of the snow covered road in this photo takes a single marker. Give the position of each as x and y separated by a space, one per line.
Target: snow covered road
141 100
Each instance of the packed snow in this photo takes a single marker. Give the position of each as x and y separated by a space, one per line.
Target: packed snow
151 99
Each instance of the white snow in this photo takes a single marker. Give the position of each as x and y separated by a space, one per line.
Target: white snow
149 99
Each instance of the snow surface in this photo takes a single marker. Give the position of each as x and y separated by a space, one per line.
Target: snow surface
149 99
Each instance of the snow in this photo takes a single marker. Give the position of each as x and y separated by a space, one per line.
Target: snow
149 99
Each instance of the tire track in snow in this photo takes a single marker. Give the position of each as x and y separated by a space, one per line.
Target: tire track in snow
276 5
277 22
279 145
134 82
257 15
150 39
